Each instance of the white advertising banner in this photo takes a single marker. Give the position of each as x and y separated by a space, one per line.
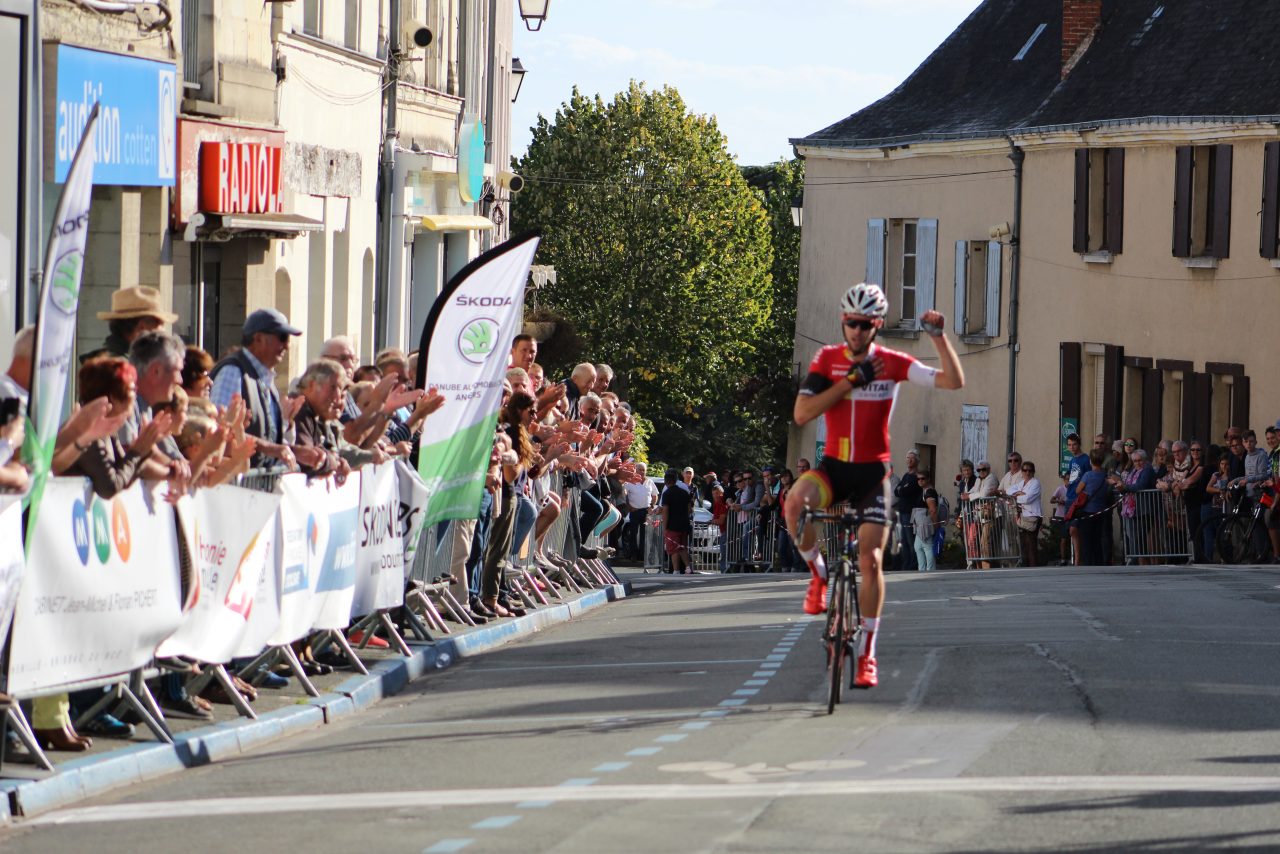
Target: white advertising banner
226 530
466 339
12 560
317 551
104 591
264 618
380 559
413 511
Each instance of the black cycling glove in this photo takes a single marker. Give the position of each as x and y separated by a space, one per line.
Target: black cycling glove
861 374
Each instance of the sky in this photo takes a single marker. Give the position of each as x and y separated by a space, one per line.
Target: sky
768 71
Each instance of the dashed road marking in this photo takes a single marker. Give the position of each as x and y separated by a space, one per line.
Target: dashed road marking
496 822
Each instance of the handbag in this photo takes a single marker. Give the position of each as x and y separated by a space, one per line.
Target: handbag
1082 498
1029 523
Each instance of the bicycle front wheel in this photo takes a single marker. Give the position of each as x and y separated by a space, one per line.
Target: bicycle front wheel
1234 540
837 627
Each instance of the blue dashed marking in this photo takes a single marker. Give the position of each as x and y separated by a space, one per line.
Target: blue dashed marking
733 702
746 692
579 781
696 725
644 751
756 682
670 739
611 766
534 805
497 822
447 846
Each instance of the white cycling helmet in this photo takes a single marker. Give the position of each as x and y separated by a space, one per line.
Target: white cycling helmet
865 299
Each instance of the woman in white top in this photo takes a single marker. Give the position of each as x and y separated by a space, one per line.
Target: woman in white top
1030 514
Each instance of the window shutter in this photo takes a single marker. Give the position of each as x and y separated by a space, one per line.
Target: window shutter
1152 408
1080 220
926 263
1239 402
993 287
962 296
1115 201
1112 389
1182 202
875 251
1197 389
1270 202
1222 201
1069 379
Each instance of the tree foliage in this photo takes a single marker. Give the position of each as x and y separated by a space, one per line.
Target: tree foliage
662 252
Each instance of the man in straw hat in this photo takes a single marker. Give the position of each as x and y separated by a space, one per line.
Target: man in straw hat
134 313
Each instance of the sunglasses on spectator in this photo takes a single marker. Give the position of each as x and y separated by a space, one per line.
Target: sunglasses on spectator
1015 459
1028 469
864 325
1197 450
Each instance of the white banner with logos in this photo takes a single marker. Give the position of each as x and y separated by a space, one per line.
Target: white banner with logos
380 559
413 507
316 551
104 592
264 618
11 560
226 530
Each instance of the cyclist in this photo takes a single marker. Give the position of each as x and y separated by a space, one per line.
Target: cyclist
854 384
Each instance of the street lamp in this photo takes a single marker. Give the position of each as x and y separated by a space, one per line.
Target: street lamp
517 77
797 210
534 13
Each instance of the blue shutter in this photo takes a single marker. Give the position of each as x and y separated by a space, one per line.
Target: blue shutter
926 264
875 251
962 275
993 288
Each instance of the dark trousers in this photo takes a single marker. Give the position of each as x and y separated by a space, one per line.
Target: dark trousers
633 533
1091 540
907 554
502 531
591 511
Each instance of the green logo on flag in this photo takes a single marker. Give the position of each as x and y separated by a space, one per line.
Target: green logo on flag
65 288
475 342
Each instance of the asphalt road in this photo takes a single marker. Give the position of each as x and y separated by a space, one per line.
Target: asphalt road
1053 709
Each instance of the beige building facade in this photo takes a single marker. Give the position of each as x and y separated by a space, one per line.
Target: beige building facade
1143 251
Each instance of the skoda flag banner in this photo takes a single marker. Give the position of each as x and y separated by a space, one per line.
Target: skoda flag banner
11 559
467 339
56 321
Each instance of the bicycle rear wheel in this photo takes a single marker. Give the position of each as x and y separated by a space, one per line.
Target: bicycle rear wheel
837 627
1235 540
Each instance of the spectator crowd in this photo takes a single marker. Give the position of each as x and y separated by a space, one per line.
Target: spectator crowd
150 408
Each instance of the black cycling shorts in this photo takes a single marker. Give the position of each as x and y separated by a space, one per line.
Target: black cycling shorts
864 486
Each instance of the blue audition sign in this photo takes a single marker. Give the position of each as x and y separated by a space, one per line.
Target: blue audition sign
137 124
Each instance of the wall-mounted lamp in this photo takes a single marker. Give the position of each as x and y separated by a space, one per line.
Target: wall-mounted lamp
1000 230
534 12
517 77
797 210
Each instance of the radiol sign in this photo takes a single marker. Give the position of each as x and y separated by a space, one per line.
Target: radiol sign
137 122
240 177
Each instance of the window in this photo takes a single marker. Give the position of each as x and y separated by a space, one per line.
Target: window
902 258
1098 223
1202 201
312 12
978 273
351 25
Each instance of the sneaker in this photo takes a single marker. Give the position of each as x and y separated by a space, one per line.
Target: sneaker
865 675
815 600
108 726
267 679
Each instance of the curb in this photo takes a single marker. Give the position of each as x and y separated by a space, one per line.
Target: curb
78 779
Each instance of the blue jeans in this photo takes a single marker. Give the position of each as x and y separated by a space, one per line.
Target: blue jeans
526 515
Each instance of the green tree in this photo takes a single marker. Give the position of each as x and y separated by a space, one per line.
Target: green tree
662 253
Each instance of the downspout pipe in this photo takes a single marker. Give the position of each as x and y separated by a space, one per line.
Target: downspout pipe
388 328
1017 156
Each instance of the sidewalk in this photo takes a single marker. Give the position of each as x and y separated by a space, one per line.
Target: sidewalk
112 764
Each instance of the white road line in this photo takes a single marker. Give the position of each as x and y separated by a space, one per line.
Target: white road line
756 682
259 805
696 725
611 766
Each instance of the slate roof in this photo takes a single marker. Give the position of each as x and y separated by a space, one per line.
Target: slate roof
1150 58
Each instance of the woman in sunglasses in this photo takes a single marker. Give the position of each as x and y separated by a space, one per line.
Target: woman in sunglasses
853 384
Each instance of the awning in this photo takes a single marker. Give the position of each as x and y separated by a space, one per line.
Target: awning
222 227
455 222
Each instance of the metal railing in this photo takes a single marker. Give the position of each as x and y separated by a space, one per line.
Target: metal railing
750 541
1154 524
989 529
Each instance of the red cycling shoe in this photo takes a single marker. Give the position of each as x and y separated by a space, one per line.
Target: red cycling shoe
865 675
815 600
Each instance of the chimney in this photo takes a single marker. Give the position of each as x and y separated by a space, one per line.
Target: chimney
1080 20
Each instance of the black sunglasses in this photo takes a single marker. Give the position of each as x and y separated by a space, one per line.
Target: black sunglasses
864 325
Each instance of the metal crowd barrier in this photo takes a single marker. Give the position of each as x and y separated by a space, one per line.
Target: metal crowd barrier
1154 524
655 555
989 527
750 543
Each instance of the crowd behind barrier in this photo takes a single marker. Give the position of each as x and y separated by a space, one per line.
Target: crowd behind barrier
208 536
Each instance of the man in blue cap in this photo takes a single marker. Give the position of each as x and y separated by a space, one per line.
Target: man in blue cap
250 372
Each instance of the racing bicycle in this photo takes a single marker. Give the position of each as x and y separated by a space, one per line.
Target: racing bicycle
844 619
1241 531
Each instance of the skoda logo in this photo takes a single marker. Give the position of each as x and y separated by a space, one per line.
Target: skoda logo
477 339
64 290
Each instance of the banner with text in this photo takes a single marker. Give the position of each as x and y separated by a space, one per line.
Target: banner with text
413 505
226 530
467 338
104 592
380 560
12 560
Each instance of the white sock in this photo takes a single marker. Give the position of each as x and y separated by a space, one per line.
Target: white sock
867 638
813 557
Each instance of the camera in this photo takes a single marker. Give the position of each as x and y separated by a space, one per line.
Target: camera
10 408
